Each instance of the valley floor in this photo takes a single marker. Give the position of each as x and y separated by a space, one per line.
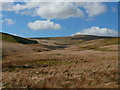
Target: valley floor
65 68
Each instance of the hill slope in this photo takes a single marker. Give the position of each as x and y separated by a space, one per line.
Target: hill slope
16 39
18 45
79 40
85 62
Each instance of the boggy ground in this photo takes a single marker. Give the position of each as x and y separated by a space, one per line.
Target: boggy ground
55 64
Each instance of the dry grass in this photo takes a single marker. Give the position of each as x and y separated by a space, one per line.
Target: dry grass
76 74
27 66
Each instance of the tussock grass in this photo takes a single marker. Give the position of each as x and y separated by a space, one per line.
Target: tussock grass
46 63
97 79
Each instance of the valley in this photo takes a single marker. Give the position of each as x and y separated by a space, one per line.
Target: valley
81 61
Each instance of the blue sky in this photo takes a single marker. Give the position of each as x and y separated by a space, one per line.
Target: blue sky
101 19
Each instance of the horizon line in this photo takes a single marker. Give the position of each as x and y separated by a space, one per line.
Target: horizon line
55 36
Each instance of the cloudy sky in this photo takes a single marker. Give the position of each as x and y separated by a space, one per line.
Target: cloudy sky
55 19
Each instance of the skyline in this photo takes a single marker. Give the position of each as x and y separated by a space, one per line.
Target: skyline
37 20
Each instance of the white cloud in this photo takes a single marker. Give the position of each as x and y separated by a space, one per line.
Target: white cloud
93 9
61 0
43 25
59 11
9 21
28 12
10 6
97 31
56 10
6 6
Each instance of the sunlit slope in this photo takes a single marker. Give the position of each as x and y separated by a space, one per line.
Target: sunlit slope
78 39
16 39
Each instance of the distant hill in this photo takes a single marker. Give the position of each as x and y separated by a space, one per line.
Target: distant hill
12 44
77 39
70 40
16 39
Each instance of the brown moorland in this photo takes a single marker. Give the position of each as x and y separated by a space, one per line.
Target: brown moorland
82 61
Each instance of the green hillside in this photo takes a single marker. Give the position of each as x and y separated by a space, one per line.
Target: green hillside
16 39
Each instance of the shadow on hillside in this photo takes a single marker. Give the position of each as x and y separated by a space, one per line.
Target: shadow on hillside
24 41
56 47
91 38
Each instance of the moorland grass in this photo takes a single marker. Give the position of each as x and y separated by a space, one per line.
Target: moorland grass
16 39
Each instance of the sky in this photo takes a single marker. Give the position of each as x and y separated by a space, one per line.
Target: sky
58 19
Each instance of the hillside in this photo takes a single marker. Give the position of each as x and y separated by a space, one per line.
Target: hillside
16 39
12 45
82 61
70 40
81 41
